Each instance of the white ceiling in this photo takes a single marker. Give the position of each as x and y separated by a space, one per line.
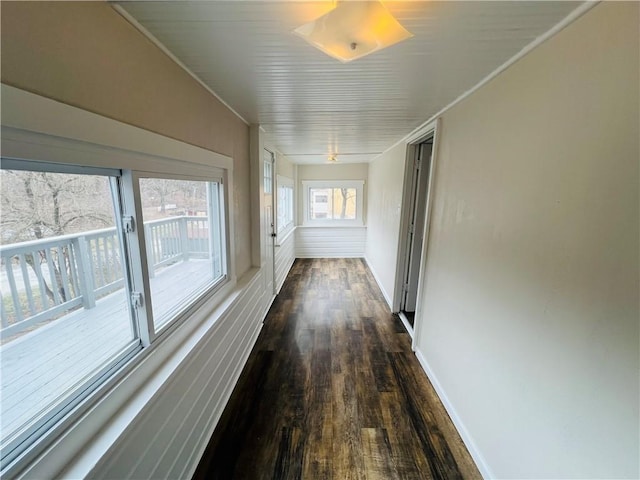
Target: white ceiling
312 105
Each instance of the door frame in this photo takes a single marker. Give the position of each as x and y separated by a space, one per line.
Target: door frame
430 130
270 230
418 214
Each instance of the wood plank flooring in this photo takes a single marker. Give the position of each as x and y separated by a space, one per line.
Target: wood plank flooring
332 390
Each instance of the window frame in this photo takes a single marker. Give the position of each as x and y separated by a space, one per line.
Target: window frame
75 397
126 202
89 143
358 185
141 274
287 183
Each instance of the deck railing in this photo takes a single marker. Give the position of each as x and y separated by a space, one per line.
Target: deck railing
50 277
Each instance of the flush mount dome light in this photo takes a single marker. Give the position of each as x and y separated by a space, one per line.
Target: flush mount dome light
353 29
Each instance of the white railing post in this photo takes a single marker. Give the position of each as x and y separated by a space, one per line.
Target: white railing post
184 237
148 241
17 307
4 318
85 272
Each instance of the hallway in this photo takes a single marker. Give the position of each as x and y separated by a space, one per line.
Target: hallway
332 390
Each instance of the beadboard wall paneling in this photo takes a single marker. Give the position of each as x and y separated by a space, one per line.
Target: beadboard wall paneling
330 242
168 438
284 257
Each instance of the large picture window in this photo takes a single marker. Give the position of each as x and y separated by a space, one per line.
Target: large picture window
73 280
65 301
333 202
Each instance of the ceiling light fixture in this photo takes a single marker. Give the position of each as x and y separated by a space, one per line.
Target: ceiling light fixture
333 158
353 29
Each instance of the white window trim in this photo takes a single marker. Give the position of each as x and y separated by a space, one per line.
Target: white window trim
284 230
185 307
307 185
31 130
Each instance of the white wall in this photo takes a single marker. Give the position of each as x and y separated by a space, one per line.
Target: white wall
334 171
530 326
386 175
284 166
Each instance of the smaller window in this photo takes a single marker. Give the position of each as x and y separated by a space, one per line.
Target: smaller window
333 202
184 231
285 204
268 172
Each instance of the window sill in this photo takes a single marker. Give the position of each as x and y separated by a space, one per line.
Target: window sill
333 225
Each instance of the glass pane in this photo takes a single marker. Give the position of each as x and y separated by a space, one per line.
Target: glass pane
282 208
344 204
183 234
65 313
268 172
319 203
332 203
285 207
289 203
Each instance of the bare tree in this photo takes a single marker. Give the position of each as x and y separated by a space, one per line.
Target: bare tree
158 191
37 205
182 195
347 194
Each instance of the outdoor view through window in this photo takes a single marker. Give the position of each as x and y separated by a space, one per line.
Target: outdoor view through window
68 318
184 248
64 306
332 203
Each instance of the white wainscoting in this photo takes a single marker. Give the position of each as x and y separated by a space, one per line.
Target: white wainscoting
330 242
169 437
284 257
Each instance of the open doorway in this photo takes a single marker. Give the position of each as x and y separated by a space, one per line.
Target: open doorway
413 230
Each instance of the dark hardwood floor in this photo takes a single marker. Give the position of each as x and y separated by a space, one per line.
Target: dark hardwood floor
332 390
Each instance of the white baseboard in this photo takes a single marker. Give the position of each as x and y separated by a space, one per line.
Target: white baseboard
406 324
375 275
485 471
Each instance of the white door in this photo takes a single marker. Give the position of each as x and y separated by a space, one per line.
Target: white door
269 222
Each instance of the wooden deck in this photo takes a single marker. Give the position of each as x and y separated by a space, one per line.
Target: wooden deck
40 367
